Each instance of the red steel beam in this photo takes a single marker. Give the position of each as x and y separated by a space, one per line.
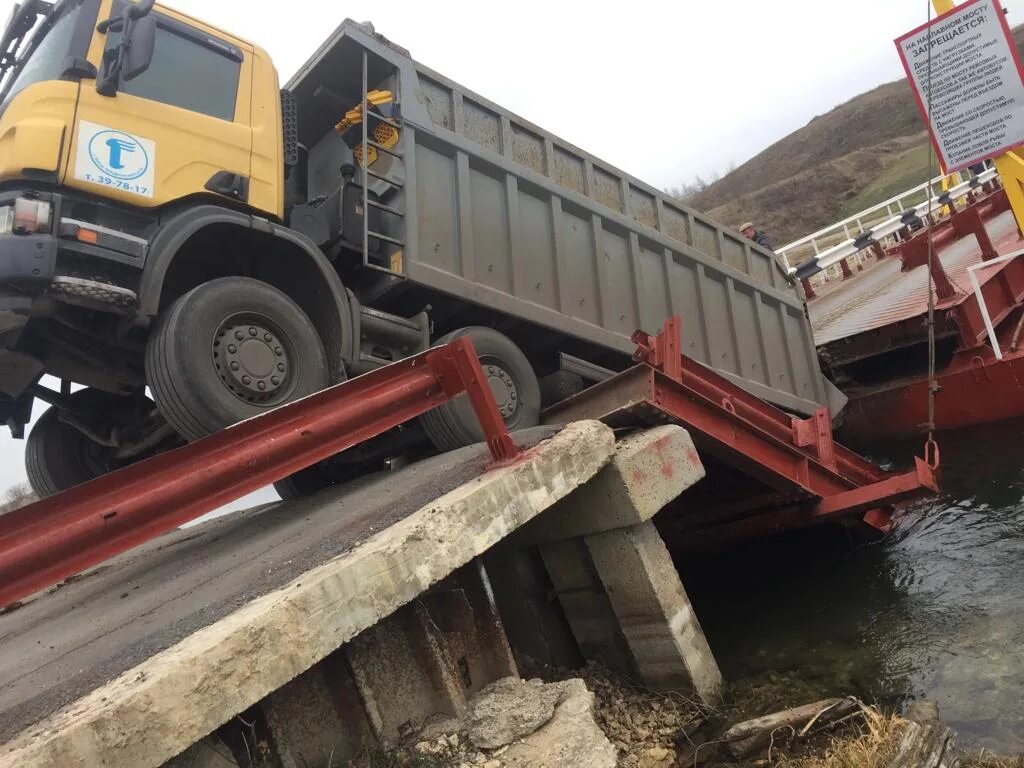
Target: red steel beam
778 462
718 393
869 499
790 456
889 491
55 538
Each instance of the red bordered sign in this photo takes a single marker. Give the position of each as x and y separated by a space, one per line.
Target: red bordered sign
968 82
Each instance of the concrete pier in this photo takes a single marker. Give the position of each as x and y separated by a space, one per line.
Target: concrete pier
615 580
140 706
321 630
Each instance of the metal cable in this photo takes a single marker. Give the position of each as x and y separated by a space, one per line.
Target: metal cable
932 383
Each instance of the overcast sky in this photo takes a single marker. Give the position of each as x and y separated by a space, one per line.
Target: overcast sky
664 90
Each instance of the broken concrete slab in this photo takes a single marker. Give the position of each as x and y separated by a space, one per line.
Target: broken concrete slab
570 739
527 724
649 469
158 708
90 629
510 709
653 611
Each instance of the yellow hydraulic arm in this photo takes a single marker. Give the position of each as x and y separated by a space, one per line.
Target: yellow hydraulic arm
382 132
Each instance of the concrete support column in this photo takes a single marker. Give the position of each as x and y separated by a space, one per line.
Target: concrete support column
403 674
431 656
613 575
653 612
463 611
536 626
318 717
586 605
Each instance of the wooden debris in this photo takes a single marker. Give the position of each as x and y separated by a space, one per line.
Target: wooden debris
926 742
752 736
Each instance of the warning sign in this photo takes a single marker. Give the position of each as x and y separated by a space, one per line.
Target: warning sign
968 81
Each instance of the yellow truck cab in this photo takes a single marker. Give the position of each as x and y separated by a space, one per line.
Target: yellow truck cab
141 158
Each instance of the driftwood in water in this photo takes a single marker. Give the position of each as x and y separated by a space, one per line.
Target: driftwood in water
750 737
926 742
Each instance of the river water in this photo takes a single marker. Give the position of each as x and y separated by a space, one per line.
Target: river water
936 610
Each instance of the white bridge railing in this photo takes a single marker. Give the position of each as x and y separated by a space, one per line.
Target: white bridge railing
822 251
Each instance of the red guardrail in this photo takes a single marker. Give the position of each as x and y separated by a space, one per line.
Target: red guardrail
50 540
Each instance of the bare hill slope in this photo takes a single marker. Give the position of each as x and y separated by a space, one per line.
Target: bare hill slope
859 153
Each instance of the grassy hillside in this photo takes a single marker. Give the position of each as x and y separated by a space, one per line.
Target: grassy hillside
858 154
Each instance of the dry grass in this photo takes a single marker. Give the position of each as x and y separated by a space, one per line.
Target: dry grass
873 747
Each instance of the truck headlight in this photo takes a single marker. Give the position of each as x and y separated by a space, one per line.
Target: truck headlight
25 217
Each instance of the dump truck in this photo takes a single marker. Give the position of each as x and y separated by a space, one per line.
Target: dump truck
184 244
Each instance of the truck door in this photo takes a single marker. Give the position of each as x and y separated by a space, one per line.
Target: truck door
177 129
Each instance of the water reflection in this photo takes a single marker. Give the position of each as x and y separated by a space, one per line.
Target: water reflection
936 610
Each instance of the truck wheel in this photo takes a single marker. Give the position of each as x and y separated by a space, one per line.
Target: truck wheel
303 483
316 478
231 349
58 456
513 382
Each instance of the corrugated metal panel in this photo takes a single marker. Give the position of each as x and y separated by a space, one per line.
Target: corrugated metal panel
507 215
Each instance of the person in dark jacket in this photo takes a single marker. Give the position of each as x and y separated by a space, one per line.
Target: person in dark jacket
750 232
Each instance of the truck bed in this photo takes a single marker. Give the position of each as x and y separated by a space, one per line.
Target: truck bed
500 213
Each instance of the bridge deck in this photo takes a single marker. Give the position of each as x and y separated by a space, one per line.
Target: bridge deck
882 295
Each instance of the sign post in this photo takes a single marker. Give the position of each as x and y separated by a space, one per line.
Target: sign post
969 84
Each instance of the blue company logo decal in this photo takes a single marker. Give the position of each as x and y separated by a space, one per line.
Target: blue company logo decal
119 155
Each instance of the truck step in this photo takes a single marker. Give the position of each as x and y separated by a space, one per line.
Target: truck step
78 289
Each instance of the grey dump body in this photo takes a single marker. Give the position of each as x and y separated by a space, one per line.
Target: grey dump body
497 211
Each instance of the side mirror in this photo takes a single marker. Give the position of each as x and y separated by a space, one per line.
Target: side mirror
134 53
139 55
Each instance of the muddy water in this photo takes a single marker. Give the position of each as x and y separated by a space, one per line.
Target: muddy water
936 610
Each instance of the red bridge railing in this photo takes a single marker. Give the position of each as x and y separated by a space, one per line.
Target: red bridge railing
50 540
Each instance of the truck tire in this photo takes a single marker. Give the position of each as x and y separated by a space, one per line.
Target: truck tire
231 349
303 483
58 456
513 382
314 479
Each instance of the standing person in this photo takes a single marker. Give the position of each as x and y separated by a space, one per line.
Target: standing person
750 232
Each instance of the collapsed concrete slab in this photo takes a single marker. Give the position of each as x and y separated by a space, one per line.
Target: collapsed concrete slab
172 699
649 469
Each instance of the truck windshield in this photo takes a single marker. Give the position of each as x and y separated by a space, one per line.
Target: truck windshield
47 52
